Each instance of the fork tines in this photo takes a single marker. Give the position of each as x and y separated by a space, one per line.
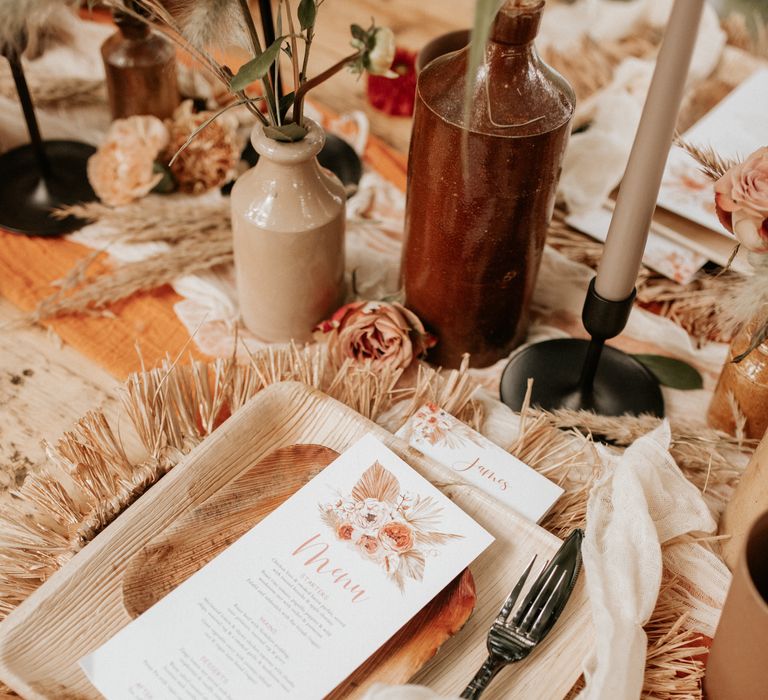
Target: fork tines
539 603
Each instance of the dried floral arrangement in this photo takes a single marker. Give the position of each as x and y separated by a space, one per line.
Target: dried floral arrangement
741 202
388 526
198 25
136 157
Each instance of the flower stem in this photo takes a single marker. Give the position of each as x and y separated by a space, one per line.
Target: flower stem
307 85
252 33
294 48
303 75
269 88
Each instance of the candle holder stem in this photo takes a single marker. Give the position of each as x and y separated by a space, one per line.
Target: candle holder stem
25 99
41 176
589 370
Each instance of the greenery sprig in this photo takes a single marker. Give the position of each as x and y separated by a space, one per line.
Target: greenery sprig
186 24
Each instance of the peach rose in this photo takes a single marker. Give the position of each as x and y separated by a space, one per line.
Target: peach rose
375 330
397 537
345 531
123 168
370 545
741 201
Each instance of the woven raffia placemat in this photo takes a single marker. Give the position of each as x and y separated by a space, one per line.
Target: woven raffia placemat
90 478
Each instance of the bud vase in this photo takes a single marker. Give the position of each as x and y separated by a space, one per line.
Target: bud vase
481 191
140 68
288 218
742 385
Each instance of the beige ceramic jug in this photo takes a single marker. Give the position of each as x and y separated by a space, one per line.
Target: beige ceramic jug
288 217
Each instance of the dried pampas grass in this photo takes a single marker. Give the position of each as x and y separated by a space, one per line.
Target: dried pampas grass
52 92
23 19
590 67
198 235
209 23
697 307
711 164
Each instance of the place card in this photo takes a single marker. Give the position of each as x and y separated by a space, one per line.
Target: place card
479 461
733 129
293 607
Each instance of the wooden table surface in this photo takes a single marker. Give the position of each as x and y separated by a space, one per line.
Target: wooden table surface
45 386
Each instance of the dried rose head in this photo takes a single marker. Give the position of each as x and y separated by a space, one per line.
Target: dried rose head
375 330
741 201
123 169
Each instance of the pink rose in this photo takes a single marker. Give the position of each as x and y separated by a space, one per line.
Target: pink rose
369 545
741 201
375 330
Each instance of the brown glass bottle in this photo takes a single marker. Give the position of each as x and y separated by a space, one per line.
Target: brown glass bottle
474 233
141 70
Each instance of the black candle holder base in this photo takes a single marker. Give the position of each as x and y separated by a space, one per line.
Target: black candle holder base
27 196
621 383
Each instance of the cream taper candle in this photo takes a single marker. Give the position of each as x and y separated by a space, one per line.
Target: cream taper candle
623 252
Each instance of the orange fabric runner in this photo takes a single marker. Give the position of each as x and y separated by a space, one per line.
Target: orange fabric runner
29 265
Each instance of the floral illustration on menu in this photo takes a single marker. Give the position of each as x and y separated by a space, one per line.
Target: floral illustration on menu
433 425
397 530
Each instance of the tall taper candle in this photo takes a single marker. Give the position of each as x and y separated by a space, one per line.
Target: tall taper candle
632 216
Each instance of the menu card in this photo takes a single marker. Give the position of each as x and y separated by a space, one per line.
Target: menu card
481 462
734 128
673 260
301 600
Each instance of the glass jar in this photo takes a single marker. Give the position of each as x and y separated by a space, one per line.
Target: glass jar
746 383
140 68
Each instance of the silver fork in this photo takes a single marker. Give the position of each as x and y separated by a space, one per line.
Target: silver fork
512 640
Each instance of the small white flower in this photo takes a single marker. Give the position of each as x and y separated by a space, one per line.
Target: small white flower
380 57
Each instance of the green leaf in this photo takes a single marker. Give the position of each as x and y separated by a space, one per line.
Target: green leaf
671 372
256 68
287 133
167 184
286 101
485 13
359 33
307 13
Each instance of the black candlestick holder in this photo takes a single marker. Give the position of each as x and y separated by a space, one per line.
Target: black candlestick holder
41 176
585 374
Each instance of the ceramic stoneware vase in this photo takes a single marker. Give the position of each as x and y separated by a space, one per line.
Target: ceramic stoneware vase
288 217
475 226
